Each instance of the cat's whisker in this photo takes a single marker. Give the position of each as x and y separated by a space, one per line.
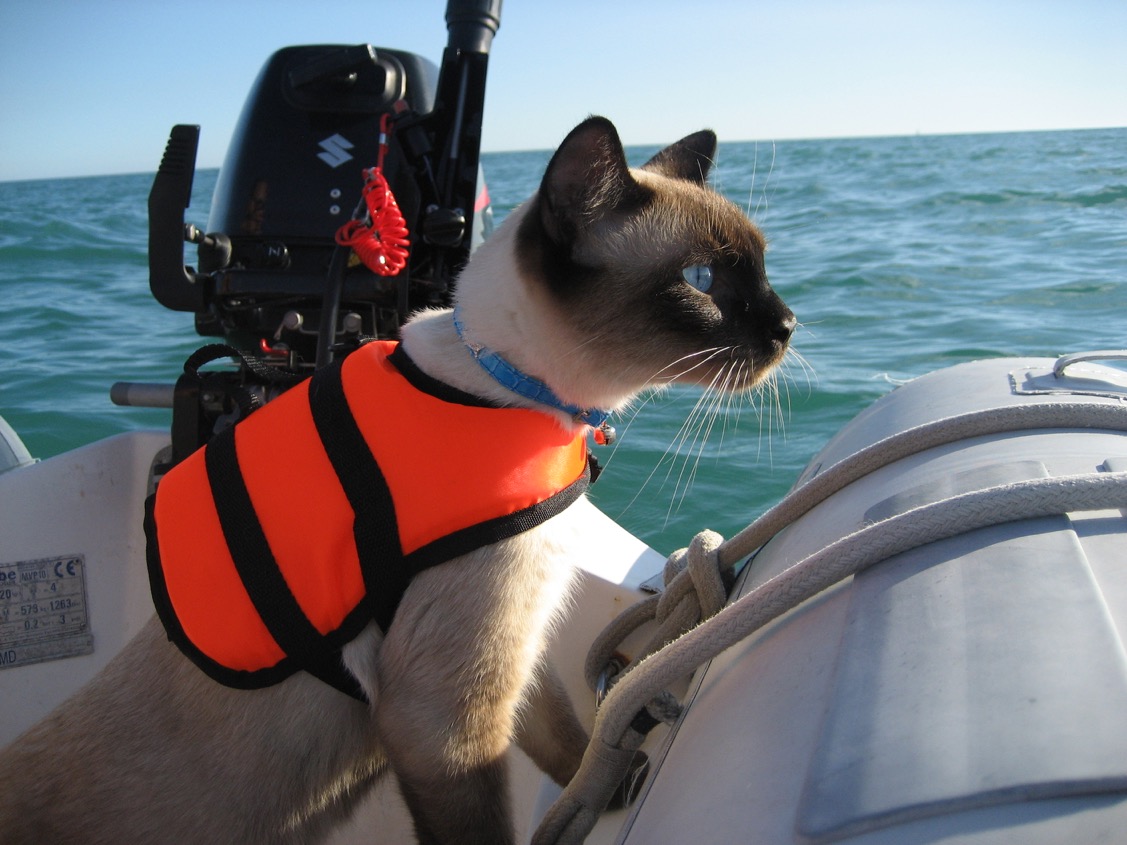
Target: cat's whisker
723 400
711 352
682 436
715 403
727 399
799 225
737 401
796 357
787 375
647 396
698 426
776 410
717 408
762 414
751 190
690 428
657 465
722 405
763 201
592 339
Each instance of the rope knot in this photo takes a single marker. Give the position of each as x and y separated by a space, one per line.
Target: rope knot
694 571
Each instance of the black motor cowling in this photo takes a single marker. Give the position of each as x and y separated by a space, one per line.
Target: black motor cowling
292 176
270 275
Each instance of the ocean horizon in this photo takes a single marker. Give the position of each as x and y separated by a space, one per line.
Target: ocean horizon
898 254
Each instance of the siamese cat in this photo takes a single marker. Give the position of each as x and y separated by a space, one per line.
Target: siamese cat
607 281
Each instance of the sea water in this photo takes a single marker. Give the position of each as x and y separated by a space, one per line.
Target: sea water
898 256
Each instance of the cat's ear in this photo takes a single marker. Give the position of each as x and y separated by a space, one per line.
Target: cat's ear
587 177
690 158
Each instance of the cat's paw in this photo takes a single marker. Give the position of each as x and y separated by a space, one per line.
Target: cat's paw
631 784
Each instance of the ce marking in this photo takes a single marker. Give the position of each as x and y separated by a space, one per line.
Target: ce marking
67 565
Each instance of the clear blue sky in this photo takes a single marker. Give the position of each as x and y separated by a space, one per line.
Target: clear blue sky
93 87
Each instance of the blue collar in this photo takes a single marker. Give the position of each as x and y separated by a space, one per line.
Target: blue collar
509 377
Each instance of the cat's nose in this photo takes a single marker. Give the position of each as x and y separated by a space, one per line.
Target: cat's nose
784 329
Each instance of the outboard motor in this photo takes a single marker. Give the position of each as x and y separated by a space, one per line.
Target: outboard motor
274 279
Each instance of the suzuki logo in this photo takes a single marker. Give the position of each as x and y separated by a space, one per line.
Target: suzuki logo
335 150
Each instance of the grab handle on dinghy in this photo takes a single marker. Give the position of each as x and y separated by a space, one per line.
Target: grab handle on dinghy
1066 361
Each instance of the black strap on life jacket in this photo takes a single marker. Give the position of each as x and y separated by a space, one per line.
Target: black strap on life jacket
375 529
263 580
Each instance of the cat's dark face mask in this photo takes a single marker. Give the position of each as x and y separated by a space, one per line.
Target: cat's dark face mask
651 267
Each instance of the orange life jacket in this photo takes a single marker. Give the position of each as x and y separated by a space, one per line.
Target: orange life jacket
274 545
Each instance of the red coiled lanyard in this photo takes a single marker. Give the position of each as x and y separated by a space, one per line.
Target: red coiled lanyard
380 240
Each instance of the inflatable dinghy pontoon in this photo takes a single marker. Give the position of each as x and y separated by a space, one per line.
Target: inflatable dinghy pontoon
969 682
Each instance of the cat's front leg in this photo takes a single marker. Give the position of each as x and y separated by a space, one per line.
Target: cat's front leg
470 807
548 730
451 674
447 745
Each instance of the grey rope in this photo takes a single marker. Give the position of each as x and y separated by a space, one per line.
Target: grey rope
678 598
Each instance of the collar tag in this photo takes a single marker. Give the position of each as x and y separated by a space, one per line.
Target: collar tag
604 434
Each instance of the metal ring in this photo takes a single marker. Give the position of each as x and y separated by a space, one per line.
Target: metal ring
606 679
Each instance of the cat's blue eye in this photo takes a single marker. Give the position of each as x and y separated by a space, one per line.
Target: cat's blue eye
699 276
